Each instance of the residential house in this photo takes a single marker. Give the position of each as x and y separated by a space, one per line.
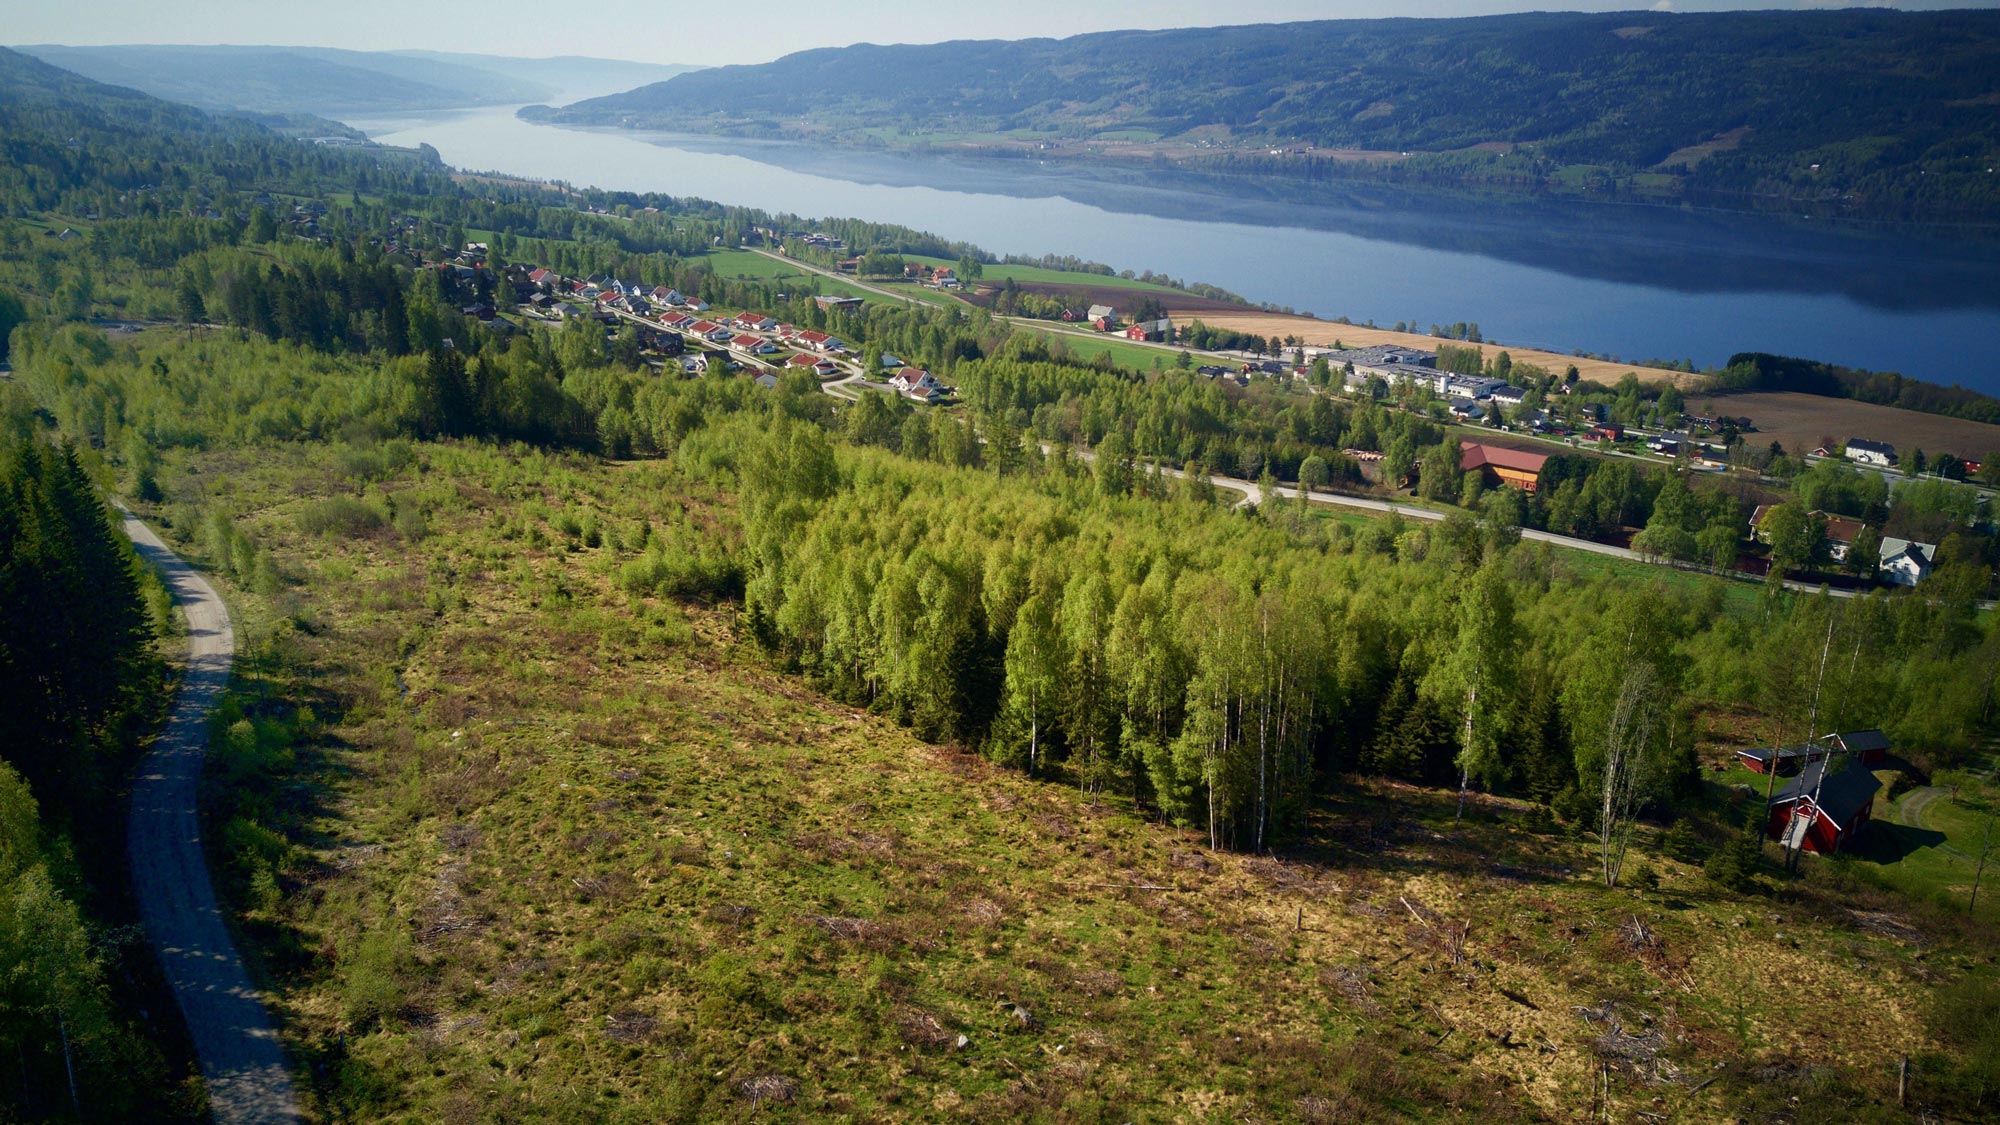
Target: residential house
818 365
916 383
1871 452
1508 395
1102 317
1151 331
755 322
1905 563
676 320
1514 468
1823 808
1607 431
811 339
767 380
750 344
1466 410
1840 530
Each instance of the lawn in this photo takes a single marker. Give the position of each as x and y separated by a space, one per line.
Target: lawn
520 838
1936 862
750 264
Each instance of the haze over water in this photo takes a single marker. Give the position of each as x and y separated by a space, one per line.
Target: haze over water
1638 282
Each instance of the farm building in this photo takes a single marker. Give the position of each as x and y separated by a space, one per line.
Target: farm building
1784 760
1512 467
1821 809
1869 747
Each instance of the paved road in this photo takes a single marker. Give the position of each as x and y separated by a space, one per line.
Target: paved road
237 1044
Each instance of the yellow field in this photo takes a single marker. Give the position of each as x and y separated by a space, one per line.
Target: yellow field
1325 332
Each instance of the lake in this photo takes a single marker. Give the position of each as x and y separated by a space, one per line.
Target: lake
1637 282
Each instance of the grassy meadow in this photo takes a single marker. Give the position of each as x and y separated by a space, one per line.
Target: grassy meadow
517 839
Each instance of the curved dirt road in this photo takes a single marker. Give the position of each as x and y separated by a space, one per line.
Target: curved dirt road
241 1060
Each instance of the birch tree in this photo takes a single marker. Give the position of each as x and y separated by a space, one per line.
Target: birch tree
1629 744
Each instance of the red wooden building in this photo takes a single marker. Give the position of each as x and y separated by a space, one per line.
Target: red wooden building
1823 807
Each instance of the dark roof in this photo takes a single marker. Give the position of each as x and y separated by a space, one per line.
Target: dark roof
1867 446
1863 741
1843 794
1785 753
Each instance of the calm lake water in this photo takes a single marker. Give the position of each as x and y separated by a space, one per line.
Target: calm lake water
1632 281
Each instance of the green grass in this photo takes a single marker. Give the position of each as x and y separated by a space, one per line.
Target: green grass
750 264
1124 353
991 272
550 846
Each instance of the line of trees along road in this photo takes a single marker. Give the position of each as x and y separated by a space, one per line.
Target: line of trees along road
78 679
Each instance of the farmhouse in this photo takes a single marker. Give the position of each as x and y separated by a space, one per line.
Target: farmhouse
1152 331
1511 467
1102 317
1822 808
1871 452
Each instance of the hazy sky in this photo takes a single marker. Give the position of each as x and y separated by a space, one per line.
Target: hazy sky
712 35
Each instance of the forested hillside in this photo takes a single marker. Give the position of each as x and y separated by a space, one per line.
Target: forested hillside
1885 108
330 82
617 744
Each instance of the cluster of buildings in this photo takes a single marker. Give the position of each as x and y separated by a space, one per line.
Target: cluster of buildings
1399 367
1831 791
1900 562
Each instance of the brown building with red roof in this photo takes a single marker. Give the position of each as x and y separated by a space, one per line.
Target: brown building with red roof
1515 468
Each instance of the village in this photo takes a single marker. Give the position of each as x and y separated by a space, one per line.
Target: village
1530 424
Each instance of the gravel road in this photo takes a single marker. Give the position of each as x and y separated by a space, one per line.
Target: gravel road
242 1062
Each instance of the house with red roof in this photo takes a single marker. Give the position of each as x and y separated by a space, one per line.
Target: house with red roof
1515 468
818 365
752 345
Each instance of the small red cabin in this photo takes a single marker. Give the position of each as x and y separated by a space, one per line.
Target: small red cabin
1821 809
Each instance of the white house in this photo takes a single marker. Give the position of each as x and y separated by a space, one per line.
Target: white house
916 383
1871 452
1905 563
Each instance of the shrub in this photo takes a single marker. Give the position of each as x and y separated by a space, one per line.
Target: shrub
343 516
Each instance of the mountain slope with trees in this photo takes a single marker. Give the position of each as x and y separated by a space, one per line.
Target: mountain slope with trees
1891 107
329 81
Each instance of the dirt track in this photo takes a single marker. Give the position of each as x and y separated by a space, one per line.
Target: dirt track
242 1062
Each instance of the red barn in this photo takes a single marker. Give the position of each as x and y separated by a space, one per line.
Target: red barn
1870 747
1823 807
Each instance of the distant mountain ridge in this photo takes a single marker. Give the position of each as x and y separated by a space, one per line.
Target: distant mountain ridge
330 82
1865 103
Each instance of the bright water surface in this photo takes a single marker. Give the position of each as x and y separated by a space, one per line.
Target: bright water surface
1632 281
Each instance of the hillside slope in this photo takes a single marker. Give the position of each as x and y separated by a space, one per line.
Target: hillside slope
1893 105
321 80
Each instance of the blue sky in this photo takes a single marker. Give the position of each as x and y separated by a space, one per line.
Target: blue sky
713 35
